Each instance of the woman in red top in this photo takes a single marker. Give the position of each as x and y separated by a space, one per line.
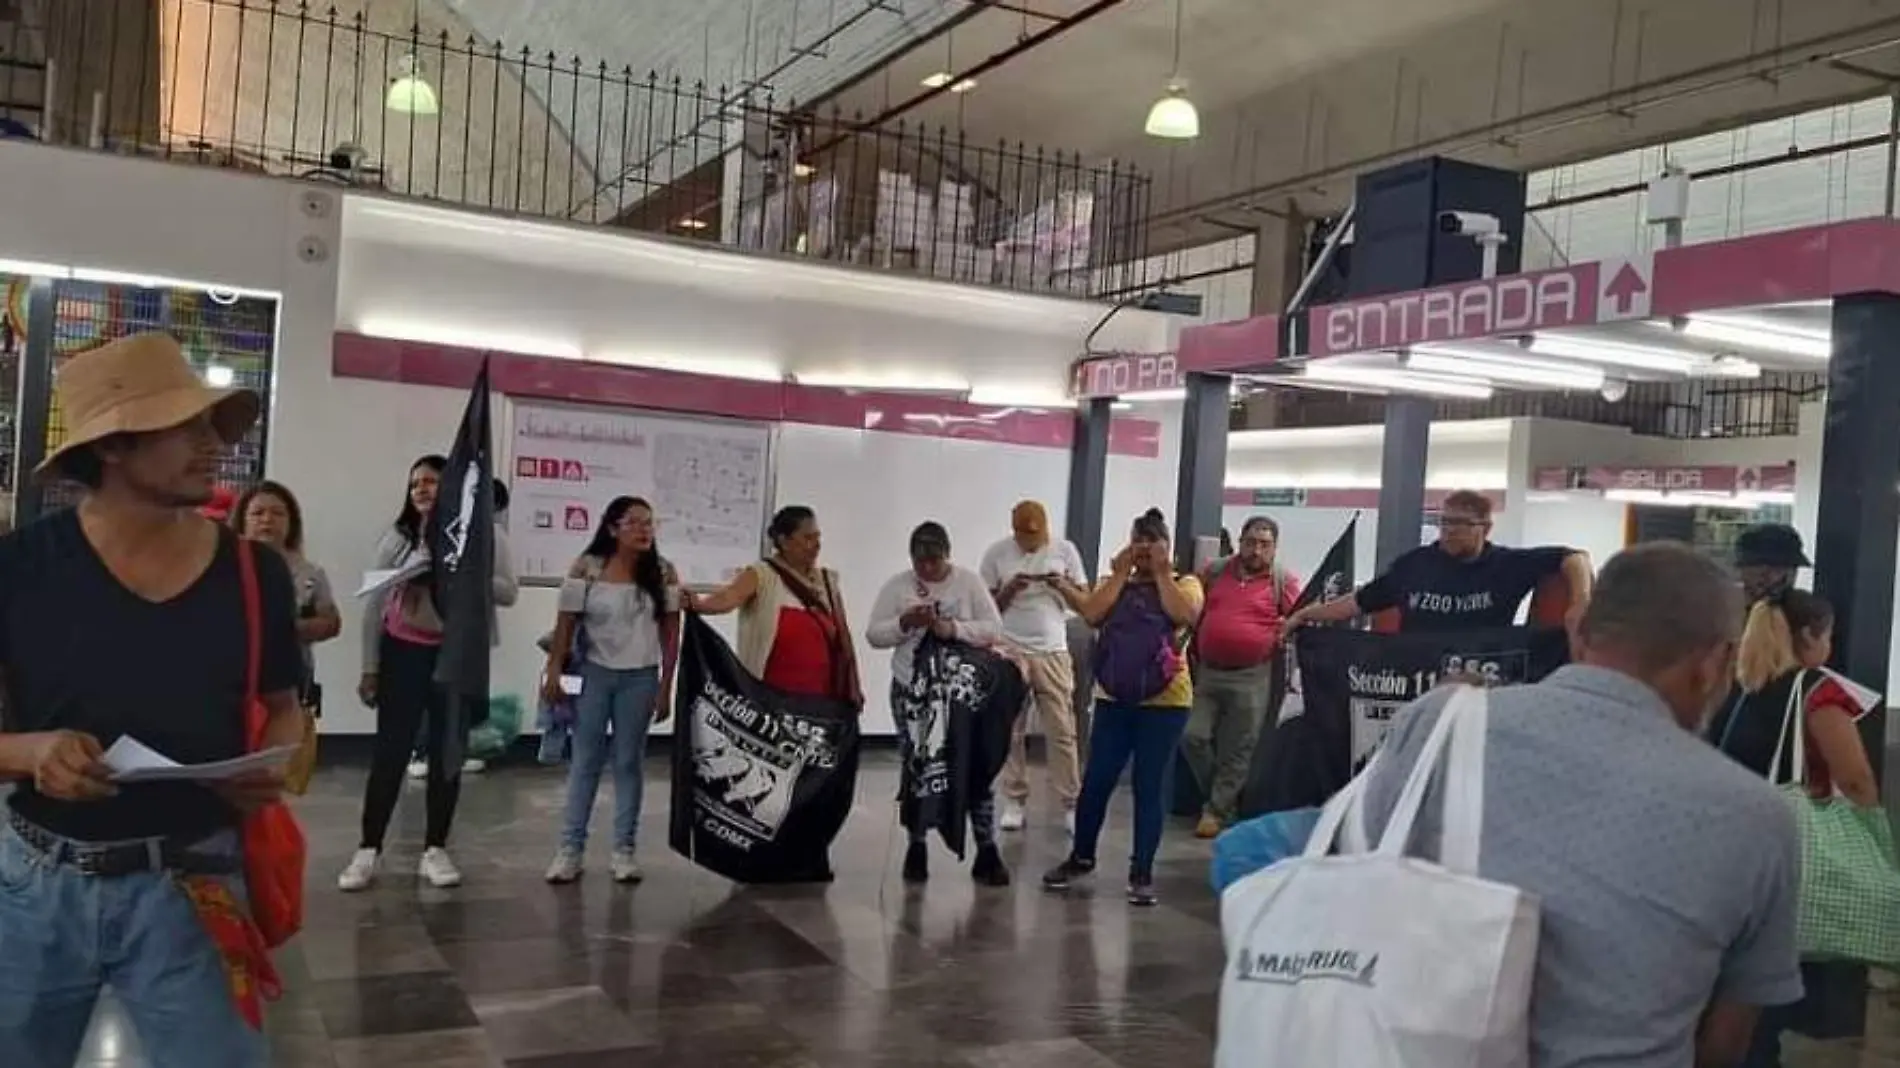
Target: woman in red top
793 635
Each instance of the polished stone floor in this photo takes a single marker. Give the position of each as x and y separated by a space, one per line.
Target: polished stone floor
687 970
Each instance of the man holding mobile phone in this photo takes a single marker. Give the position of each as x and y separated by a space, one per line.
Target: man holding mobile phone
1038 581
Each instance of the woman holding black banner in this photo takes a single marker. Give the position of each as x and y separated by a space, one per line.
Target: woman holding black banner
938 600
1143 690
793 635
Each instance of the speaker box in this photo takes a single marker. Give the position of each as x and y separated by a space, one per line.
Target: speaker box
1397 242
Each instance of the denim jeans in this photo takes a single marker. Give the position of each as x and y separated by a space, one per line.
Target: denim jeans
624 701
1149 737
64 936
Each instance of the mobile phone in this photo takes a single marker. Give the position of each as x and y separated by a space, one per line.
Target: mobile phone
571 685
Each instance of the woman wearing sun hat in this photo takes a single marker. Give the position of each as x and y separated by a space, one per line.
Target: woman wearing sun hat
126 618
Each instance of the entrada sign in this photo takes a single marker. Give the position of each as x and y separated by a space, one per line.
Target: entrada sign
1512 304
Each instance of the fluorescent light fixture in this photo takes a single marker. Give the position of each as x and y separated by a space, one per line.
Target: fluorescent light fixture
410 93
752 370
1019 397
1729 367
938 80
690 223
469 338
1763 334
222 294
1396 380
1174 116
220 376
1140 395
964 86
1503 368
53 270
1615 354
898 382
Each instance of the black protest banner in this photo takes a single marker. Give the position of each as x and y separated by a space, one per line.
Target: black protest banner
1355 682
461 541
762 781
955 717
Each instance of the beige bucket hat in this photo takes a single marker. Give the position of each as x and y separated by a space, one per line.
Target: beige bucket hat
137 385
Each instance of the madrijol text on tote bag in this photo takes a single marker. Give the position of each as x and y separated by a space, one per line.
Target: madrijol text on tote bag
1385 959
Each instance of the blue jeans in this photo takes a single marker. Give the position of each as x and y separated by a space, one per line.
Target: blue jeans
624 700
64 936
1120 732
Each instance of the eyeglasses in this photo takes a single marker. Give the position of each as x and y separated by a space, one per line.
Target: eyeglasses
1462 523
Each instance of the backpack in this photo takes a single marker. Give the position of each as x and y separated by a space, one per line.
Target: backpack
1135 656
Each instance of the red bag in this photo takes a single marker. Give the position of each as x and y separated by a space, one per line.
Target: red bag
274 847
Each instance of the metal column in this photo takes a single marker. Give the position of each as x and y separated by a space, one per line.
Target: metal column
36 400
1408 432
1203 473
1858 517
1088 474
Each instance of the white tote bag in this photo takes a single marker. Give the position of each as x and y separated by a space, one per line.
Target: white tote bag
1382 959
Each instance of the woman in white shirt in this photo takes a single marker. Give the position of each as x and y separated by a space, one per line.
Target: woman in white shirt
619 617
935 596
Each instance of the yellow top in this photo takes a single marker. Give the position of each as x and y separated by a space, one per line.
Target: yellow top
1180 689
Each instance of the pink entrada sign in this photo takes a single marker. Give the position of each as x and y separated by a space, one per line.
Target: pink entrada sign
1518 303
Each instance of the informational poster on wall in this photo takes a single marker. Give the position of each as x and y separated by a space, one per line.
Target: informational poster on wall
708 482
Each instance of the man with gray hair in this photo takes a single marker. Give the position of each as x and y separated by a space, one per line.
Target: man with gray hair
1667 872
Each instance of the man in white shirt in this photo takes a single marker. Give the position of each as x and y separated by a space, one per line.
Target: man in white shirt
1038 581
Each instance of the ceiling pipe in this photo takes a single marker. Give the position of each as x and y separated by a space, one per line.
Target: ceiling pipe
871 70
1611 104
1026 44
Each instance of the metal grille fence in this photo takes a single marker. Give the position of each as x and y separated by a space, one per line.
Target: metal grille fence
392 97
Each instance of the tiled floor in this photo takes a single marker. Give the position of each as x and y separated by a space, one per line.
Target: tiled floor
688 971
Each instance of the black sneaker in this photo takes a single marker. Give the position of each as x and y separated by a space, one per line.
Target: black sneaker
1141 891
989 869
917 863
1067 874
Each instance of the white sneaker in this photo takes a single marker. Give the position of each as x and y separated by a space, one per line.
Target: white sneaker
1013 817
472 766
418 770
439 869
625 868
566 867
1068 822
361 874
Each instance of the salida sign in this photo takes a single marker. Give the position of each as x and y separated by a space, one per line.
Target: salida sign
1685 479
1513 304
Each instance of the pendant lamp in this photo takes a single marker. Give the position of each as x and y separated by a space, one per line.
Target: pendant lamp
1174 116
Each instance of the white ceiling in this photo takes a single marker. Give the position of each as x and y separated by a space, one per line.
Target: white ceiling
1297 97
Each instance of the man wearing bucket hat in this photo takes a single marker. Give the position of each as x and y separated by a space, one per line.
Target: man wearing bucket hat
125 618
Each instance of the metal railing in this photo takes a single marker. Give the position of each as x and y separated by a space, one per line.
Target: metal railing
1697 408
391 97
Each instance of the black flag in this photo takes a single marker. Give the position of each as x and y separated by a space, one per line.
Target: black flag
1333 577
462 565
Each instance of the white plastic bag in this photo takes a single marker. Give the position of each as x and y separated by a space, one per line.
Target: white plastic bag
1380 959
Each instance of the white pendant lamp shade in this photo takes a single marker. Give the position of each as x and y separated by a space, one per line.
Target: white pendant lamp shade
1174 116
410 93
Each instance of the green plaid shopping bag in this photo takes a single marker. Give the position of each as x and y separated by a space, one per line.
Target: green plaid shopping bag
1850 878
1850 881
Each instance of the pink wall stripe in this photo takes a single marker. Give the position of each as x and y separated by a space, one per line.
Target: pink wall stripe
546 378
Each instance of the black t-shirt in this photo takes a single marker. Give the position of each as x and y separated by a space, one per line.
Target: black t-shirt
1435 591
82 652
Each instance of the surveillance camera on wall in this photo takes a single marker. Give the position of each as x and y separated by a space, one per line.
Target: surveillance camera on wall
1472 224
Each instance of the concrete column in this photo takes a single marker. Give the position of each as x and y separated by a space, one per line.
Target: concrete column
1278 251
36 400
1857 519
1203 468
1408 431
1088 476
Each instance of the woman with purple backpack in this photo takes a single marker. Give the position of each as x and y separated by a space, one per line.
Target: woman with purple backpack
1143 691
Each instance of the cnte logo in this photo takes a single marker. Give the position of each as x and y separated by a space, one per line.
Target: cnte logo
1288 969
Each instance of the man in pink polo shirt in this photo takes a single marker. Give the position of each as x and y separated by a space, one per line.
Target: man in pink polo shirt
1248 598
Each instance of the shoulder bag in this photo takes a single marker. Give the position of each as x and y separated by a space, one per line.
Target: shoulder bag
274 848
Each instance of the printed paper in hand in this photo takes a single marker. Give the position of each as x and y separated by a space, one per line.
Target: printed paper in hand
131 760
382 580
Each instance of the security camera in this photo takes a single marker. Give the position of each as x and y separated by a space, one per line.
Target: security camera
1472 224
